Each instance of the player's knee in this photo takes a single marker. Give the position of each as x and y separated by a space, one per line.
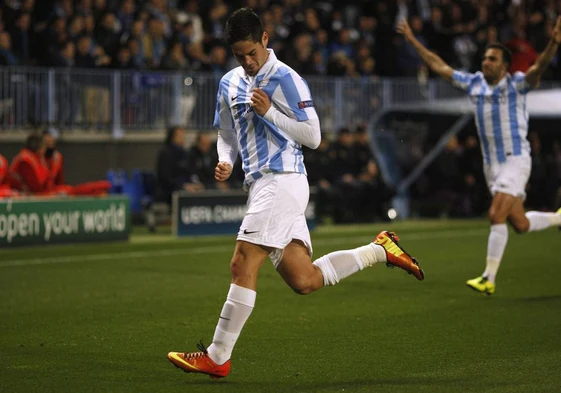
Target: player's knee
496 218
302 285
238 265
521 227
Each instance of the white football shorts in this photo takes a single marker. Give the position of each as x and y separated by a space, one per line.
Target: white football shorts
275 213
510 177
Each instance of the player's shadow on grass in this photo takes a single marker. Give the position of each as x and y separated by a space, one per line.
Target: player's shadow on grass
297 385
543 298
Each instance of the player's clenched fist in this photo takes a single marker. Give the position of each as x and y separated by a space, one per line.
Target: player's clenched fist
222 171
260 102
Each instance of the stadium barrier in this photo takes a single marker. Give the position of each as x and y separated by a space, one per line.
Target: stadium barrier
38 221
216 212
114 102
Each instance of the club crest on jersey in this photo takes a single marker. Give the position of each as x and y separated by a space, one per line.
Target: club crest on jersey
305 104
264 83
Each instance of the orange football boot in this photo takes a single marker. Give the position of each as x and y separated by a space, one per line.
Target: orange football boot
199 362
396 255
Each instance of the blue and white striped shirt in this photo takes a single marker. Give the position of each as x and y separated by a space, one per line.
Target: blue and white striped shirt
501 115
263 147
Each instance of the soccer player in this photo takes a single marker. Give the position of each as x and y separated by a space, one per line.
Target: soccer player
501 118
266 113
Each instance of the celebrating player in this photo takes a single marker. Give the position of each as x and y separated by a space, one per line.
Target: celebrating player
501 118
266 113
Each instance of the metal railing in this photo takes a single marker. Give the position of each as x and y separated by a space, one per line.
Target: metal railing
115 102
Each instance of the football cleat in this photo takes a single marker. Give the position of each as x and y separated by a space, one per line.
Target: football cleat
199 362
396 255
481 284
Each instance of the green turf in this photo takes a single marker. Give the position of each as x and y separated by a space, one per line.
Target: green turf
101 318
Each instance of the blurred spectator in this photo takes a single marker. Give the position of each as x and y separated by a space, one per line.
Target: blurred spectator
55 167
107 34
192 15
217 62
216 19
438 36
84 7
362 151
344 176
174 59
299 54
154 43
125 15
99 8
343 44
318 165
7 57
123 60
6 190
172 167
203 158
375 195
67 96
407 58
137 58
475 197
84 58
540 179
76 27
28 171
158 10
21 38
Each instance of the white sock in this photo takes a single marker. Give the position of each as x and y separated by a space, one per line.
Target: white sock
237 309
498 237
540 220
340 264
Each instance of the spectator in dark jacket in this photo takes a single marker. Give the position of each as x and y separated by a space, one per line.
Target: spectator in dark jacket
172 168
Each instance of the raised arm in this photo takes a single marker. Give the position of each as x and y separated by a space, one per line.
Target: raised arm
432 60
536 71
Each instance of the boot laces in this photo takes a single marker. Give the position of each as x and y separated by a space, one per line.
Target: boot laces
199 354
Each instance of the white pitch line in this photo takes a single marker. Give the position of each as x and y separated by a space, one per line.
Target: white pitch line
214 249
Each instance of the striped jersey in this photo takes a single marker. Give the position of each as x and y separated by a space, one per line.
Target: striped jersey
501 116
263 147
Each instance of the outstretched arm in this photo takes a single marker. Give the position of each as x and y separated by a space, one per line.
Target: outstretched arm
435 63
536 71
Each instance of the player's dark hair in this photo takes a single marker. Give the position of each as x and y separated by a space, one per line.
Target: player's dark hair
244 25
507 54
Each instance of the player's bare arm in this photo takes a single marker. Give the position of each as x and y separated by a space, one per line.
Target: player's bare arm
431 59
536 71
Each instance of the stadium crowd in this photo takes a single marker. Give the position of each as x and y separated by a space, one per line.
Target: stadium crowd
322 37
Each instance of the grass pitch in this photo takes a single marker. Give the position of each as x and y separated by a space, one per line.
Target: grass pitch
101 318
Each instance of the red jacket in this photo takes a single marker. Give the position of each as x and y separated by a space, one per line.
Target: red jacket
3 170
55 163
28 172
